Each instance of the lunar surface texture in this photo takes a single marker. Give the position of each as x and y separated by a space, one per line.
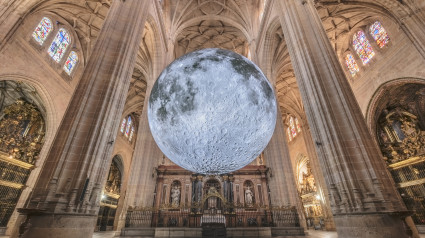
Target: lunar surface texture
212 111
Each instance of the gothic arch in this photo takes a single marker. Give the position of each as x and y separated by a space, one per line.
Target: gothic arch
268 48
49 114
301 161
85 27
373 108
120 163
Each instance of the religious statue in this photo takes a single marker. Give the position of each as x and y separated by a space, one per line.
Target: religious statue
175 196
248 196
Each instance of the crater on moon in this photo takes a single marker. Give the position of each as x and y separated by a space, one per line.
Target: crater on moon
212 111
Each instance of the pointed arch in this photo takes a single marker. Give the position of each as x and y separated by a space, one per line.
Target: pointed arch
362 46
59 45
379 34
42 31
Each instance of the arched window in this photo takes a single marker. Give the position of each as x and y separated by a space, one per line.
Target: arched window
292 126
131 134
124 122
297 124
127 128
288 130
60 43
351 64
363 47
379 34
293 129
70 62
42 30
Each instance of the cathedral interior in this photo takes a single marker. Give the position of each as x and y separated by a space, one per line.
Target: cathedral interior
77 155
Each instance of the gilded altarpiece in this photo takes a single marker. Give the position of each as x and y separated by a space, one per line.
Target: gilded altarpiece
109 198
402 143
309 195
22 130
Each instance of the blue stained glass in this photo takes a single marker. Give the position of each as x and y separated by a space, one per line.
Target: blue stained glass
363 47
127 129
42 30
60 43
70 62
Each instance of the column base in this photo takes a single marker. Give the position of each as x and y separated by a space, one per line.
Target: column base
378 225
48 225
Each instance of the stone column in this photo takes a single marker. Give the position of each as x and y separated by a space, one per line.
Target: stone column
264 189
322 190
12 13
363 200
282 180
160 182
412 21
67 194
146 157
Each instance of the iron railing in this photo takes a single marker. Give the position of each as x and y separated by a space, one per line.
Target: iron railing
240 217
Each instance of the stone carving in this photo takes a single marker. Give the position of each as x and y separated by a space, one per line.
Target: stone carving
308 184
399 135
113 183
22 131
248 196
175 196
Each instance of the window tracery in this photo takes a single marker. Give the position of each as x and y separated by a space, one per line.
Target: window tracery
59 45
128 128
42 31
363 47
293 129
379 34
70 62
352 66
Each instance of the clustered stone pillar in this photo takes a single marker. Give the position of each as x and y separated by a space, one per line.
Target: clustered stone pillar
412 21
141 186
319 179
282 180
363 200
67 194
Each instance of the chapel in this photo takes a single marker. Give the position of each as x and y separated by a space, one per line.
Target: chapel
347 155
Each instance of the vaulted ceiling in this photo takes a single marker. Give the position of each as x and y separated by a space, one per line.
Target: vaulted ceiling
229 24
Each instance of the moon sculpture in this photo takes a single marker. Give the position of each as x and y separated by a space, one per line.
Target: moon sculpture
212 111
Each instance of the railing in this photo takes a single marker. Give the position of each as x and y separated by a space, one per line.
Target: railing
409 176
241 217
13 176
415 203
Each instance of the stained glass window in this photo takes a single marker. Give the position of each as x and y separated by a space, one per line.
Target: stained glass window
351 64
42 30
127 129
363 47
70 62
379 34
297 124
292 126
131 134
289 134
59 45
123 125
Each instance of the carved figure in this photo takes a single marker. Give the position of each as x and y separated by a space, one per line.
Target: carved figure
175 196
248 196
